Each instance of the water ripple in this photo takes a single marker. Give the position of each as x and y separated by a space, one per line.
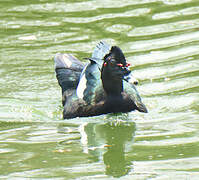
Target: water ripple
180 13
159 43
159 39
164 56
132 13
164 28
78 6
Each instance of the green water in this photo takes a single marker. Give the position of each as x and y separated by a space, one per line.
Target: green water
160 39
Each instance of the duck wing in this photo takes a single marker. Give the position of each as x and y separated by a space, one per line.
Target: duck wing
101 49
131 90
68 70
90 87
90 83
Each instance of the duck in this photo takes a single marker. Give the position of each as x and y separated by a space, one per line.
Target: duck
103 85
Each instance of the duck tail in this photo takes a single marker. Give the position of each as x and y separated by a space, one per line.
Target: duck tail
68 70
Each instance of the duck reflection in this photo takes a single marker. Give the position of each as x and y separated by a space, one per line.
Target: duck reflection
109 142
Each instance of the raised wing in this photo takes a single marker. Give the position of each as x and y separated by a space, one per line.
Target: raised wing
90 85
100 51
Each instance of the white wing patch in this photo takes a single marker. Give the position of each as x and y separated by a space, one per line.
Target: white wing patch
81 87
62 60
67 60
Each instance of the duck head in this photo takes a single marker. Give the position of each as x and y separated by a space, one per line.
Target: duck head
114 71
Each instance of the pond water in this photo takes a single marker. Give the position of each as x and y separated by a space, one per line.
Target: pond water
160 39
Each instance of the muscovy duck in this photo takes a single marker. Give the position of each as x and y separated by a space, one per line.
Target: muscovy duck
104 85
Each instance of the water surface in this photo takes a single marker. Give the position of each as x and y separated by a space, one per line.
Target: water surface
160 39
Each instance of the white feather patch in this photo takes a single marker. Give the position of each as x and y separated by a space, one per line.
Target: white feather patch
67 61
81 86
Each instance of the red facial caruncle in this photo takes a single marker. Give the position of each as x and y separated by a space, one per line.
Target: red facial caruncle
121 65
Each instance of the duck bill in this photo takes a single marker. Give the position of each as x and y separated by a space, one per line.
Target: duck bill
131 79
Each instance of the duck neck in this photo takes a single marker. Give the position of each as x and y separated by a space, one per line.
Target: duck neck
112 87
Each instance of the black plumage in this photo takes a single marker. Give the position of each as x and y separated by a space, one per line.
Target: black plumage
100 87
